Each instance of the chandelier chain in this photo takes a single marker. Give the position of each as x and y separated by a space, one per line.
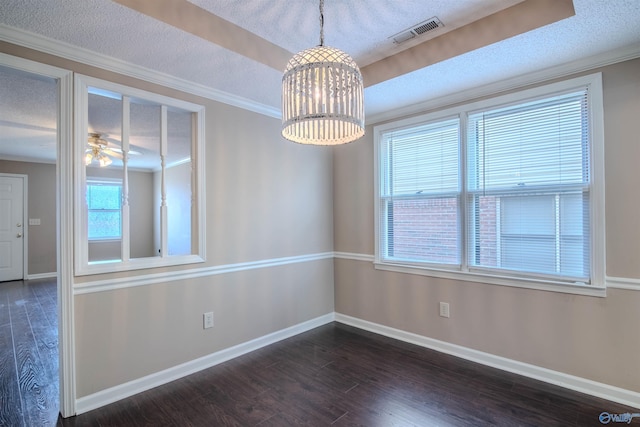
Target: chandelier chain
321 22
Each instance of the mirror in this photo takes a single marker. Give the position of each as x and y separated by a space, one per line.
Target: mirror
139 175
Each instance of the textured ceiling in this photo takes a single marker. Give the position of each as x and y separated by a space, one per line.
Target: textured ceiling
359 27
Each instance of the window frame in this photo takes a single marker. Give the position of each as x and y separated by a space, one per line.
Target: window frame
82 265
464 272
91 181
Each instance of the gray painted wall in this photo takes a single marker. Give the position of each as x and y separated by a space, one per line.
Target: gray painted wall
267 198
590 337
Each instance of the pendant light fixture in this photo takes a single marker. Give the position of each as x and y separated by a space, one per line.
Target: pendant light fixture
322 96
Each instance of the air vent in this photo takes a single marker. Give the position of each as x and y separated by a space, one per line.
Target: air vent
417 30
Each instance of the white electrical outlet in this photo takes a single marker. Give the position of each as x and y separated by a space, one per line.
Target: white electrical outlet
444 309
207 319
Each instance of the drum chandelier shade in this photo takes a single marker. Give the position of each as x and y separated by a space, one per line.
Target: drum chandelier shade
322 96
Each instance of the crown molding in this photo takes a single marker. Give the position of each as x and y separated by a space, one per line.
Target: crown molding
585 64
64 50
26 159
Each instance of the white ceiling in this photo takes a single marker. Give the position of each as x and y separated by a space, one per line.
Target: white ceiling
359 27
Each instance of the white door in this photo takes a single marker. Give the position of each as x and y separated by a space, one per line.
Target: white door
11 228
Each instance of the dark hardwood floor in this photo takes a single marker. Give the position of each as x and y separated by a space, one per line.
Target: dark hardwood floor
28 353
332 375
338 375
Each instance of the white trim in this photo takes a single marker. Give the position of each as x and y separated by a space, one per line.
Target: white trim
113 394
64 257
560 71
64 222
611 282
593 83
98 180
64 50
83 86
150 279
354 256
27 159
597 193
42 276
64 226
177 163
623 283
582 385
516 282
493 280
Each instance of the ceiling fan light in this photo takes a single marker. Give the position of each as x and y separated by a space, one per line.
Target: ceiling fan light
104 160
88 158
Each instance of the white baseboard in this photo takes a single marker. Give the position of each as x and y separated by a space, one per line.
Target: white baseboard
113 394
582 385
42 276
593 388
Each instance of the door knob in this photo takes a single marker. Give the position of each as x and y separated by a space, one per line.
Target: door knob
19 224
19 235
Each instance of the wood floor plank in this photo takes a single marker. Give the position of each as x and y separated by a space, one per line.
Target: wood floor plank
46 341
46 293
34 355
5 319
11 411
226 398
38 394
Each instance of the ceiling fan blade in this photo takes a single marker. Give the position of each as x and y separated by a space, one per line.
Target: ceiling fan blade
110 152
108 145
112 141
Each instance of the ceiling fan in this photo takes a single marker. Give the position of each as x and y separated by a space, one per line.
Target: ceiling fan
101 150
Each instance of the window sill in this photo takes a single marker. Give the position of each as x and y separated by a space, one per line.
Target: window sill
517 282
111 266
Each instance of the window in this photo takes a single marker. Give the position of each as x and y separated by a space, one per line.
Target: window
508 188
104 202
421 193
139 177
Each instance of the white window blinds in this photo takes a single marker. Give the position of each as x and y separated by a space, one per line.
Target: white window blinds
104 210
528 187
506 190
420 194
